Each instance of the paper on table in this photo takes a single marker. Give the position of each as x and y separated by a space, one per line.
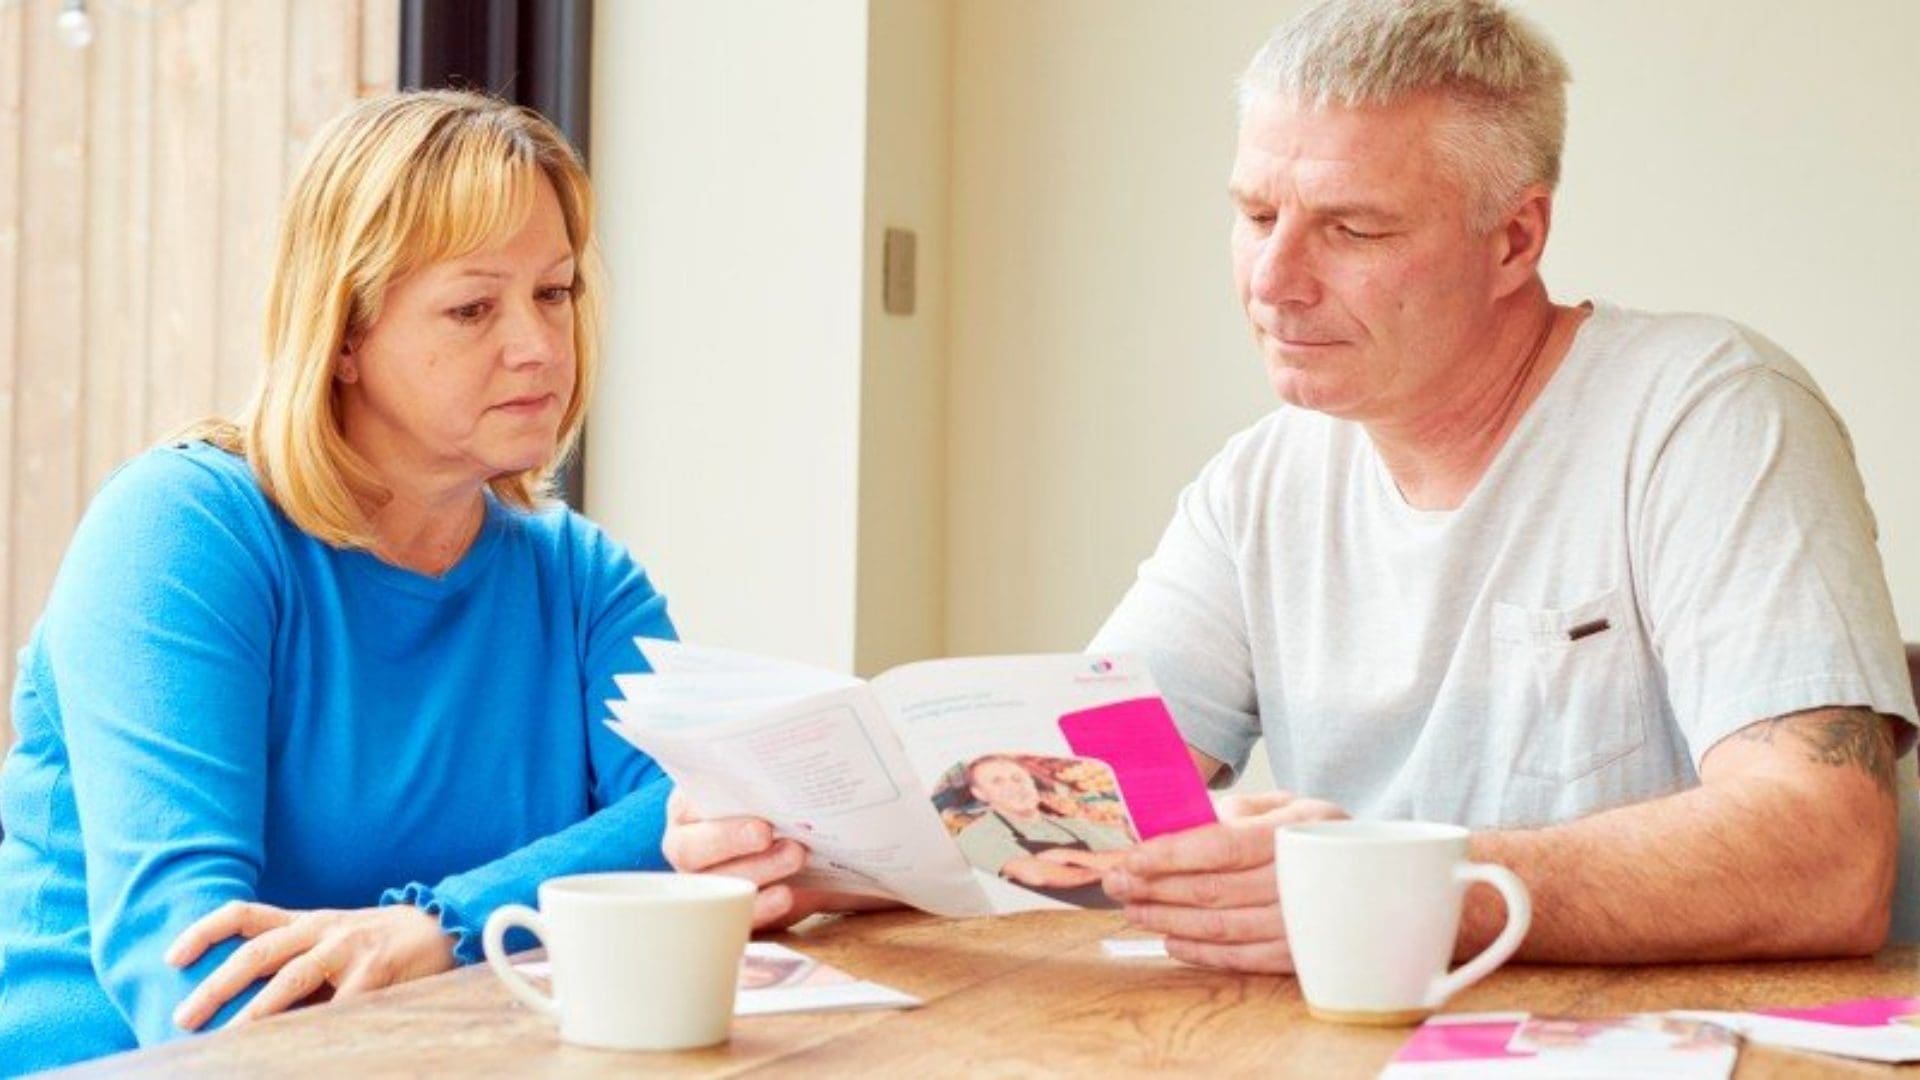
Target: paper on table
776 979
1152 948
1868 1029
1516 1045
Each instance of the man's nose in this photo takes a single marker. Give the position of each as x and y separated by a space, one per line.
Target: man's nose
1284 272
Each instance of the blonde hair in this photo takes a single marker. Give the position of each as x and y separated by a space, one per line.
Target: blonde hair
1504 76
393 184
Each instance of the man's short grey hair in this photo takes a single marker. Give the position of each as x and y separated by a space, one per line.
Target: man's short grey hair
1505 77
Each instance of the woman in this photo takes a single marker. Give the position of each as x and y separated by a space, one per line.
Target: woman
330 677
1057 856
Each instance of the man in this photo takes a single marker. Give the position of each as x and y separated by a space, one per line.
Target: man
1598 584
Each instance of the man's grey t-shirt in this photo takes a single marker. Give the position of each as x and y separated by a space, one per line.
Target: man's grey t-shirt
1672 544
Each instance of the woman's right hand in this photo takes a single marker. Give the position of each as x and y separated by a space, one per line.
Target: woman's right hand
745 847
740 847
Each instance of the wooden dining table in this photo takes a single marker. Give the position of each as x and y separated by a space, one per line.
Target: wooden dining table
1025 995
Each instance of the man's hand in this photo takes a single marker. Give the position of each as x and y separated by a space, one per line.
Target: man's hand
745 847
306 956
1211 890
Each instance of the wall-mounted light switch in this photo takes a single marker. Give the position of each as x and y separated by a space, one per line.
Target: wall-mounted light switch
896 273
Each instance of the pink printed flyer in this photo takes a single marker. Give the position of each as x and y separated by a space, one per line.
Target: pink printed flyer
1886 1030
1519 1045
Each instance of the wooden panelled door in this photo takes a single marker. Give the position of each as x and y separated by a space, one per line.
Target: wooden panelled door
140 179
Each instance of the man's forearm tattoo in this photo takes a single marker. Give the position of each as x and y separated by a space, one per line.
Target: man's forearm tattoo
1854 737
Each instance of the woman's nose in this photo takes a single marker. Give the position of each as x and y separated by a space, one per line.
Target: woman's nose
533 337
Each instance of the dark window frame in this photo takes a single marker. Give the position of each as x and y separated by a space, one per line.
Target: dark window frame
537 53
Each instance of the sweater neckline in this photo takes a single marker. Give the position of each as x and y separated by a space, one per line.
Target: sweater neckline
471 565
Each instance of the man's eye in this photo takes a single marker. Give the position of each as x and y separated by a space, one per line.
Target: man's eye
1352 233
468 313
1260 218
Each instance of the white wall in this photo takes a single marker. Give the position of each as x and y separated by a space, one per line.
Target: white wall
1757 158
729 148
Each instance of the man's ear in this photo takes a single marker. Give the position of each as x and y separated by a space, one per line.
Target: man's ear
1521 240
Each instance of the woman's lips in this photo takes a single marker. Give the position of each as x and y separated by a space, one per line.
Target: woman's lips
527 405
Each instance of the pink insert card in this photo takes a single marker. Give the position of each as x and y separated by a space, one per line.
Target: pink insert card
1150 762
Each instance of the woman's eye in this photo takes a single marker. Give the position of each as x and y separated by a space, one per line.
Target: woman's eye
556 294
470 313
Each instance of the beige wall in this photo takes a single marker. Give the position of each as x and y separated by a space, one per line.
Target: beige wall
902 574
1097 355
1761 159
1737 156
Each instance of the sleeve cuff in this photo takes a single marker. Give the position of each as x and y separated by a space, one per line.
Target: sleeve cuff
466 938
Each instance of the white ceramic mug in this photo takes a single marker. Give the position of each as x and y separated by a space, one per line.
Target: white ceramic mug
639 961
1372 909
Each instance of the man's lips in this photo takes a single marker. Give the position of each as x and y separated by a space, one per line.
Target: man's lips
1304 342
1296 337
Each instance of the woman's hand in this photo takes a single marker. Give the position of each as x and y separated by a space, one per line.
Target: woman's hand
745 847
310 955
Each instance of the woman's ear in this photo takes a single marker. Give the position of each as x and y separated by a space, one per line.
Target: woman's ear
347 369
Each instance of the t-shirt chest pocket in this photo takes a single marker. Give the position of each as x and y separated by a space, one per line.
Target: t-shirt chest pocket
1567 694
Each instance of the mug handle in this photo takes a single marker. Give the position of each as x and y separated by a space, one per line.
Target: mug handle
1519 918
493 943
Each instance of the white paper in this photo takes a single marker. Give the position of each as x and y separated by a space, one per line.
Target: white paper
1134 948
793 982
1461 1045
806 985
1893 1044
851 769
826 770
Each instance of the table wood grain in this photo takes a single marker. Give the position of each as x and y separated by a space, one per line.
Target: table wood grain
1017 996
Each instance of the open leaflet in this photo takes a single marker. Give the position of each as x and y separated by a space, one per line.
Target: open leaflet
962 787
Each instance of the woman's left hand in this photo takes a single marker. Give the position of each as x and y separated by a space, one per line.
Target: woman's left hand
308 954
